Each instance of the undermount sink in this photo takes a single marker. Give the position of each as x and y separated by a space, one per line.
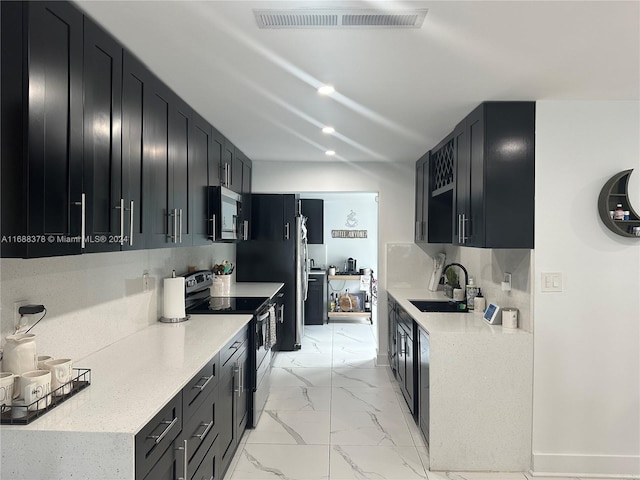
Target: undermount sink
443 306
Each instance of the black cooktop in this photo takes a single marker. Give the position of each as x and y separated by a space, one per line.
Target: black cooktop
212 305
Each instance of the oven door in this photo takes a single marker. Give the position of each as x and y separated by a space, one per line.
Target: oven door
261 383
263 352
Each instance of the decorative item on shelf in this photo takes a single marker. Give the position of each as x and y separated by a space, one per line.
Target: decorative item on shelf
348 302
614 206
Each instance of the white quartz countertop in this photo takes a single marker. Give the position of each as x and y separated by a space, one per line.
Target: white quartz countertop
445 323
254 289
132 379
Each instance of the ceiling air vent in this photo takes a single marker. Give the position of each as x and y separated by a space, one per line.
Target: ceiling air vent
305 18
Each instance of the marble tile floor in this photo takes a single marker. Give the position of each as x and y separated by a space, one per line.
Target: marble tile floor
332 414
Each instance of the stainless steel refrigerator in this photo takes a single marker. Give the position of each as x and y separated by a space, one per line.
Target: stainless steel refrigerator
277 252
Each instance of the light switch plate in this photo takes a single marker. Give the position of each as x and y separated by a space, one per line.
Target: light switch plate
551 282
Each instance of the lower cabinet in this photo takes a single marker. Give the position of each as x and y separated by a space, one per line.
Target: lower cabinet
424 361
233 397
406 358
197 433
391 340
315 306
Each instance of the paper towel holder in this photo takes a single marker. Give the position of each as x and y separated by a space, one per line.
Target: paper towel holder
174 320
164 319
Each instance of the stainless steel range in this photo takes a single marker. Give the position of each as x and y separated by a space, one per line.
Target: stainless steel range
265 311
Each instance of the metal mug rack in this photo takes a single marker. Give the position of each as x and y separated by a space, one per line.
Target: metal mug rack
25 414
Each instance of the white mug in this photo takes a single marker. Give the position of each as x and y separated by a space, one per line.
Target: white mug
35 387
61 375
41 360
6 388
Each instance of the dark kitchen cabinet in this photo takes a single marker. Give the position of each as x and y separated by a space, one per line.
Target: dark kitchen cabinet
440 189
315 306
480 180
495 181
232 398
273 217
136 80
313 209
392 333
406 372
106 214
424 363
155 454
167 189
422 199
203 175
245 220
231 168
41 166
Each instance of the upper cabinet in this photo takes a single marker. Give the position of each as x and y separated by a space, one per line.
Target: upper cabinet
98 154
42 197
495 191
107 217
421 207
313 209
481 179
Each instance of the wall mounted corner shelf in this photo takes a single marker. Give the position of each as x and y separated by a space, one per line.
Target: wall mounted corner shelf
614 192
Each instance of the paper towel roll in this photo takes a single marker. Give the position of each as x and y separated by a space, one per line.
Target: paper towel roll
173 300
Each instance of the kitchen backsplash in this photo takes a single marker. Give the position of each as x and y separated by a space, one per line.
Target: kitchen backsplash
93 300
408 266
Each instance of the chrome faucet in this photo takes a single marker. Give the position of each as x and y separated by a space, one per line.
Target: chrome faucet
466 274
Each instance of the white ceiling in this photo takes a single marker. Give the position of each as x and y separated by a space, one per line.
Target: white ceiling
398 91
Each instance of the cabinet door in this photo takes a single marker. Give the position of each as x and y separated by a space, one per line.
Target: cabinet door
392 331
243 377
54 56
161 226
136 79
475 224
420 193
268 217
400 355
423 382
226 437
313 209
216 160
314 311
200 151
245 214
236 169
226 166
178 167
102 184
409 380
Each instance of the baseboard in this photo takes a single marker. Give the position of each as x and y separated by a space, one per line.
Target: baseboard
586 466
382 360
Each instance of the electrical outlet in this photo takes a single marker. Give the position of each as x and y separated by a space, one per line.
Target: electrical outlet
16 315
145 281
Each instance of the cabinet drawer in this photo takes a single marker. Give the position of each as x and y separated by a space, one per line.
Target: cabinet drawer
235 345
156 436
200 386
201 430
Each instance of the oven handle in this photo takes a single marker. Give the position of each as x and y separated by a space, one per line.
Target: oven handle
265 314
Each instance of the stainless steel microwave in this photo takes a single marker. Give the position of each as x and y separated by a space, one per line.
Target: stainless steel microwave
225 222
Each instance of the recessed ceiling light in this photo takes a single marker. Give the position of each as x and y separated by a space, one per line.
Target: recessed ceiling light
326 90
330 152
328 130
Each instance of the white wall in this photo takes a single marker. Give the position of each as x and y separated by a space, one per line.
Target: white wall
95 299
394 184
348 211
586 415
